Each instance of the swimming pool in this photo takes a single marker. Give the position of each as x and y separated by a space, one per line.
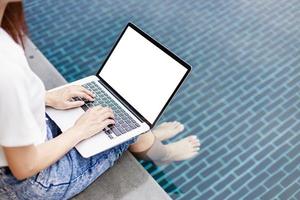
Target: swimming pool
242 98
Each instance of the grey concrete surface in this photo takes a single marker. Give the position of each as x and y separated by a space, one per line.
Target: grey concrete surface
127 179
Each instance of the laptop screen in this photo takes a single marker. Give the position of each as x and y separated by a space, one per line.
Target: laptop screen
143 74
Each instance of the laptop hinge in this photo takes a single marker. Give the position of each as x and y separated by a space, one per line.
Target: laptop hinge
124 104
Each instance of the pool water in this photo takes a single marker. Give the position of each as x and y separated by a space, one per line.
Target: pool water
241 99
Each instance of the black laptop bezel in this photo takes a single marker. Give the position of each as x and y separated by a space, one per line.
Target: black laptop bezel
160 46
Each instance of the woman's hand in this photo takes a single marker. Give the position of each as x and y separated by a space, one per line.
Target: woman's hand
93 121
62 98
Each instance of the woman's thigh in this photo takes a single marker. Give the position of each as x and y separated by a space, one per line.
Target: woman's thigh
85 171
67 177
62 180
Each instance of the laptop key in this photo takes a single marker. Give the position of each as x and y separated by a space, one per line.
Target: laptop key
89 104
132 125
108 132
110 136
84 107
137 125
76 99
116 131
122 130
127 128
127 120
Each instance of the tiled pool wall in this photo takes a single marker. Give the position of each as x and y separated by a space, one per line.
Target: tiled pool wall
242 98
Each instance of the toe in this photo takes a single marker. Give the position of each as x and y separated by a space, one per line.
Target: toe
196 149
164 123
177 124
196 143
192 138
179 128
173 124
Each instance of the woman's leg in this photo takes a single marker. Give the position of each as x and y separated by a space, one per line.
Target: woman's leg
64 179
143 143
149 147
86 171
162 132
67 177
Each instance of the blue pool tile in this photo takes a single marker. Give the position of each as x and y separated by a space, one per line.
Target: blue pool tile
255 193
270 194
289 191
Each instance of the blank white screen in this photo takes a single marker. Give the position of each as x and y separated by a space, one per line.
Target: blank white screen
142 74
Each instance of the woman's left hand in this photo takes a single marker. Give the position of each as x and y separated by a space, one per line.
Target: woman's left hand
63 98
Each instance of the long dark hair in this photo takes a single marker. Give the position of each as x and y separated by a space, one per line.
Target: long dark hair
13 22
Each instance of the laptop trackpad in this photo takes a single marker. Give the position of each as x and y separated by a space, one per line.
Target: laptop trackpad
65 119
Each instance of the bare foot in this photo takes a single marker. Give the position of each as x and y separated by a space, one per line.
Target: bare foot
183 149
167 130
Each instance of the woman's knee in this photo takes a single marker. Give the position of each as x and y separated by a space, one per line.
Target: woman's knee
143 142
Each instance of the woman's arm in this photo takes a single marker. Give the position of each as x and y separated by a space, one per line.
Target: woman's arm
27 161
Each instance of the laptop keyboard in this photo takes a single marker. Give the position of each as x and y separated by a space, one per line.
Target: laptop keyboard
123 121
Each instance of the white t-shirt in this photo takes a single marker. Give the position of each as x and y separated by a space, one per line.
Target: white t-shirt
22 99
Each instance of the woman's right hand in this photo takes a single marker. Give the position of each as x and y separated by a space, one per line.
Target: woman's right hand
93 121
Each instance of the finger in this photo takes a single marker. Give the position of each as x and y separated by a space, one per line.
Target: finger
106 123
89 110
73 104
107 109
97 108
82 95
110 112
88 92
102 110
100 116
98 112
106 115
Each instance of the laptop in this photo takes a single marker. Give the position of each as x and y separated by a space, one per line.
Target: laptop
137 80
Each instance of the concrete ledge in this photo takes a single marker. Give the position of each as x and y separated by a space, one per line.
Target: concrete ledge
127 179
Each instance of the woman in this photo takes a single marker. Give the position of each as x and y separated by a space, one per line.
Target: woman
37 161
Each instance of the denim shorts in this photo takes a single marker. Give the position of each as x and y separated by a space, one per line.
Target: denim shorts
67 177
